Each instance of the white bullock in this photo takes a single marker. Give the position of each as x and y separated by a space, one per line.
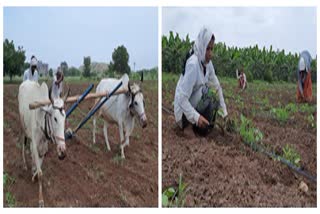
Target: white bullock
40 126
121 109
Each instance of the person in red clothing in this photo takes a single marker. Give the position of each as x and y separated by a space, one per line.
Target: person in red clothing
242 79
304 84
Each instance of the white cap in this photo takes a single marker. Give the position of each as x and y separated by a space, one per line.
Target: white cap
302 64
34 61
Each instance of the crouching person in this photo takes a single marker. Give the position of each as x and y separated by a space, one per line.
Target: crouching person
194 101
242 79
304 88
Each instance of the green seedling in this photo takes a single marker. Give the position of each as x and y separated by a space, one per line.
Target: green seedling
281 114
290 154
175 197
249 133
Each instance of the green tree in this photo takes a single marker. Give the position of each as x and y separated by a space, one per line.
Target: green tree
120 60
260 63
174 51
13 60
73 71
50 72
87 66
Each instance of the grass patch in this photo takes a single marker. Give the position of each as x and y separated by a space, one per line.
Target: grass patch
7 182
306 108
170 77
10 199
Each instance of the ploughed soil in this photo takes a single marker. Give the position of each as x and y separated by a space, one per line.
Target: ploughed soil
221 171
90 176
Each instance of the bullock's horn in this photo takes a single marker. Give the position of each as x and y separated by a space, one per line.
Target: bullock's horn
66 95
129 88
50 98
141 80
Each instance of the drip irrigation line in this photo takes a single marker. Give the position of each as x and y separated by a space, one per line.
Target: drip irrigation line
282 160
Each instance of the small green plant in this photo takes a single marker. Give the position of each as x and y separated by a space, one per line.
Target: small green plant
290 154
9 198
292 108
281 114
306 108
7 180
312 121
172 197
249 133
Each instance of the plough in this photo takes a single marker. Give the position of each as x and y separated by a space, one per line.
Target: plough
69 133
75 105
76 100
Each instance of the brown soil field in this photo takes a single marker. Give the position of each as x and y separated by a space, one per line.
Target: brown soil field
89 176
221 171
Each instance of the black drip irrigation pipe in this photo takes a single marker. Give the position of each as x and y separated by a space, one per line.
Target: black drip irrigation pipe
282 160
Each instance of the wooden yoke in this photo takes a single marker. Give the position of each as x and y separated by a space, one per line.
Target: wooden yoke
72 99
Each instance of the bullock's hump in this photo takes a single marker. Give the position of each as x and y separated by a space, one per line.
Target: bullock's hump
30 90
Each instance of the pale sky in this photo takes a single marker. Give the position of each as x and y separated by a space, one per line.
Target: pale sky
56 34
290 28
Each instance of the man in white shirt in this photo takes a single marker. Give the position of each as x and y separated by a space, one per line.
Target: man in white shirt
193 84
57 83
31 73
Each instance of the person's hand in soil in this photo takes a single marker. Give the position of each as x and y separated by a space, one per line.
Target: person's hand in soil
202 122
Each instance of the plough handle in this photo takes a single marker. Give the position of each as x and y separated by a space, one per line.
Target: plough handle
74 106
97 107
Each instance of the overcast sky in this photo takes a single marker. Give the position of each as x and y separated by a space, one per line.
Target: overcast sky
288 28
56 34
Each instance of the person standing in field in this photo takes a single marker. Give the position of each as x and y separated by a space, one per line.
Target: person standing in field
242 79
193 102
57 83
304 85
31 73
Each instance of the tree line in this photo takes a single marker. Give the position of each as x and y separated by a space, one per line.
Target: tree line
261 64
15 62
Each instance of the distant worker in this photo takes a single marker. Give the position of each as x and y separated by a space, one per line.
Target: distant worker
31 73
193 102
57 83
242 79
304 87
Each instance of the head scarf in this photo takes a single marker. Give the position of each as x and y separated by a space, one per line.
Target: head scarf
34 61
200 45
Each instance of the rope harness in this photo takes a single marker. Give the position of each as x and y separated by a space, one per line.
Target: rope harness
131 108
48 131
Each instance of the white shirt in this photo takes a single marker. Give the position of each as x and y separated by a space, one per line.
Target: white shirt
28 75
189 90
56 88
